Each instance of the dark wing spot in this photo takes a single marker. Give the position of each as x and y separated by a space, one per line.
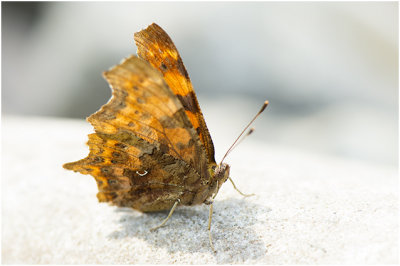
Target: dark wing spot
106 115
120 145
164 148
112 181
182 68
98 159
121 105
168 122
180 146
106 170
163 67
188 102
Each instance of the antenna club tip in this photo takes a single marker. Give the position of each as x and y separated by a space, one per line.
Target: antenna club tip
264 106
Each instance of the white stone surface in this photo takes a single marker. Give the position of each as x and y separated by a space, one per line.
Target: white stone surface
308 208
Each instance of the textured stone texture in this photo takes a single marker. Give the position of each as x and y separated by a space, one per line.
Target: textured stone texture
308 208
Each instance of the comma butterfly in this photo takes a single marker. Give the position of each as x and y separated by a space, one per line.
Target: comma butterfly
151 149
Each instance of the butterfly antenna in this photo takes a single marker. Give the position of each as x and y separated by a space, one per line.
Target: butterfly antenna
244 130
249 132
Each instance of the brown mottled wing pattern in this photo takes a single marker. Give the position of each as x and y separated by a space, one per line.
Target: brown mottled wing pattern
144 151
156 47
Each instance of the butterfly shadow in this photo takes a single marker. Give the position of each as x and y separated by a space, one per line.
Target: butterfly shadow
233 223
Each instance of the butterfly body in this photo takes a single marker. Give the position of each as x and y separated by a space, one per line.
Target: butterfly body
151 147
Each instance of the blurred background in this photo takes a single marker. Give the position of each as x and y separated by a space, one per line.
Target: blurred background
329 69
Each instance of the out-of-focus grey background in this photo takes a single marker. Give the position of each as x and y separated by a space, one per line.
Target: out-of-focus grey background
329 69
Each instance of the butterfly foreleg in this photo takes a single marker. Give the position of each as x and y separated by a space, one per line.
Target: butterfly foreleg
169 215
241 193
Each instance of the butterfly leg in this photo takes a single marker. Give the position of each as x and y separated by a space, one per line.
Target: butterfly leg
210 218
209 227
241 193
169 215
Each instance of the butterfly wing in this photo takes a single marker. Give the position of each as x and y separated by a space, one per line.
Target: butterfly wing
156 47
144 152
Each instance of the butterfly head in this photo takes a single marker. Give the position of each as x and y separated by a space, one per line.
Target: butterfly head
221 174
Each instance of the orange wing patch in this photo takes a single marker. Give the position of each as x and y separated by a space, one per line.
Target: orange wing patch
156 47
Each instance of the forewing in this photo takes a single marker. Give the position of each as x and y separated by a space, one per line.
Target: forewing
144 115
156 47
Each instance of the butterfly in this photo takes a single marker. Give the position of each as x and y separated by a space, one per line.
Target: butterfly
151 149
